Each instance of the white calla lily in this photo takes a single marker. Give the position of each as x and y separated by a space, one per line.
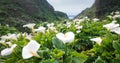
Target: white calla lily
9 36
68 24
28 36
50 25
40 29
98 40
2 41
68 37
30 49
30 25
8 51
111 25
116 30
116 16
12 36
95 19
78 27
78 31
4 37
117 12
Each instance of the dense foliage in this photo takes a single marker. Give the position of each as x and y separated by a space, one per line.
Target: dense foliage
79 41
14 12
6 29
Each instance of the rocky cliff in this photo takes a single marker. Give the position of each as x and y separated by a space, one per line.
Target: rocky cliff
19 12
101 8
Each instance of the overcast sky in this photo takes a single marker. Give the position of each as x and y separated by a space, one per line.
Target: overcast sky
71 7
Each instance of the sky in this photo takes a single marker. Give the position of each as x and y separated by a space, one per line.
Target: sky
71 7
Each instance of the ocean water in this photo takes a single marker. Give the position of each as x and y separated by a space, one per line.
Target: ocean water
71 16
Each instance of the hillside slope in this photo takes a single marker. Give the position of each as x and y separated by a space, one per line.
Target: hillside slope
101 8
19 12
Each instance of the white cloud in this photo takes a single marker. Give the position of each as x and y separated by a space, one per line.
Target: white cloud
71 7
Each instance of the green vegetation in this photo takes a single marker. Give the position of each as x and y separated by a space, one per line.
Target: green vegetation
79 41
17 13
101 8
6 30
50 41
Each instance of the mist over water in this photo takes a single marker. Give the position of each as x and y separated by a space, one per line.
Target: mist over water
71 16
71 7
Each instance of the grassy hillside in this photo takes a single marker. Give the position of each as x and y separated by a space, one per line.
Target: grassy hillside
101 8
18 12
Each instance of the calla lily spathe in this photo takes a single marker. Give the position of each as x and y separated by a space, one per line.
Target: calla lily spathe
30 25
30 49
50 25
98 40
95 19
111 25
68 37
40 29
9 36
116 30
8 51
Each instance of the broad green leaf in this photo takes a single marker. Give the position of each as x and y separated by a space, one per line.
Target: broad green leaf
10 60
116 46
115 61
57 43
20 61
68 59
99 60
76 60
79 57
49 61
56 61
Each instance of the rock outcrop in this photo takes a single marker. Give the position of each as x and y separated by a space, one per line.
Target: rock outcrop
101 8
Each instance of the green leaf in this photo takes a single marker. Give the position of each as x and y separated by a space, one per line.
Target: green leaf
116 46
11 60
57 43
115 61
49 61
20 61
99 60
56 61
76 60
78 57
68 59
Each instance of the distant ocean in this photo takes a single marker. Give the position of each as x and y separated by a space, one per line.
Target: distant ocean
71 16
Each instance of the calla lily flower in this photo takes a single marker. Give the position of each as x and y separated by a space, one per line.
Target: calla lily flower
95 19
78 31
68 24
98 40
111 25
116 16
28 36
12 36
30 50
117 12
31 25
50 25
2 41
116 30
78 27
109 16
9 36
40 29
8 51
52 28
68 37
